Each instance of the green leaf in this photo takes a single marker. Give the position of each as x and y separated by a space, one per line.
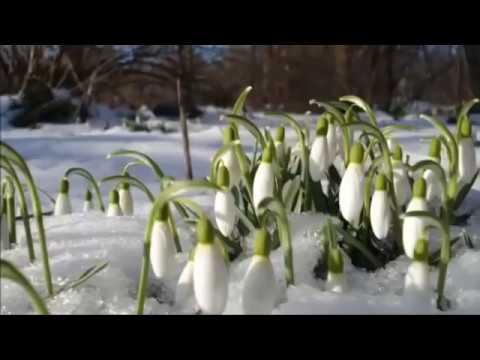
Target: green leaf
276 206
388 130
133 181
91 180
141 158
349 239
464 192
87 275
290 191
10 272
362 105
465 110
250 126
240 103
452 143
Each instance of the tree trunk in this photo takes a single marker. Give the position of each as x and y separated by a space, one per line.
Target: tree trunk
183 118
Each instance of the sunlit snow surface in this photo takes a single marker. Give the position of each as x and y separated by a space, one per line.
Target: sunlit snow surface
78 242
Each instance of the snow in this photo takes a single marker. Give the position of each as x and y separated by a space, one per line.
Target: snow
80 241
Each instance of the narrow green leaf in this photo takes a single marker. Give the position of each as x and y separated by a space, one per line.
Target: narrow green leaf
362 105
464 192
142 158
10 272
250 126
87 275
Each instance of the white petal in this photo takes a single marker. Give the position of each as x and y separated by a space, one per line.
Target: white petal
336 283
62 205
413 227
162 251
259 288
351 194
184 289
380 214
332 143
231 163
114 210
434 189
263 183
210 279
417 278
126 202
467 160
225 215
87 206
319 158
401 185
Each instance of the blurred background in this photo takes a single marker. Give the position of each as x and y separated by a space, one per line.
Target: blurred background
68 83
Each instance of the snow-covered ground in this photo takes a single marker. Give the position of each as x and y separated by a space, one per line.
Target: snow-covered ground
80 241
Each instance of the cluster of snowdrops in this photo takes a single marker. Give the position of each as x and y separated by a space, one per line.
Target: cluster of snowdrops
378 206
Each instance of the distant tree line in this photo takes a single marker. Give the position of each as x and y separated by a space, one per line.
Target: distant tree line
284 76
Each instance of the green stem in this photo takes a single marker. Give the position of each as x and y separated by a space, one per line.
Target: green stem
11 223
37 211
6 165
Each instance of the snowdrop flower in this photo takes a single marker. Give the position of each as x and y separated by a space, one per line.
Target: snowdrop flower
259 286
380 212
162 250
88 203
280 149
319 155
184 290
332 140
467 166
352 187
210 273
230 158
264 178
401 182
434 189
225 211
126 200
336 280
114 204
414 228
62 204
417 279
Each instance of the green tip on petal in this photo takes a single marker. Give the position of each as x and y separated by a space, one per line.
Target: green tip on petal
262 243
162 214
88 196
223 177
64 186
381 183
322 126
267 156
280 134
228 135
421 250
420 188
114 198
435 148
335 261
357 153
397 153
205 231
465 128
